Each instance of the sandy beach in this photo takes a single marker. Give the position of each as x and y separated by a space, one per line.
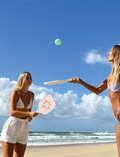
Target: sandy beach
101 150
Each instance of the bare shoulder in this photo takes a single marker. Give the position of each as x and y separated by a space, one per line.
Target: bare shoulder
32 94
109 76
14 93
14 96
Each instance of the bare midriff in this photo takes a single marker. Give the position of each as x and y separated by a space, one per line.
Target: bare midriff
115 101
23 110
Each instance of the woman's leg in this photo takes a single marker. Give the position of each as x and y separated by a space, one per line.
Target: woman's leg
118 138
7 149
19 150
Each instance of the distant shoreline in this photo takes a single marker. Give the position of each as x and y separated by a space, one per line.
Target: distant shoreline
67 145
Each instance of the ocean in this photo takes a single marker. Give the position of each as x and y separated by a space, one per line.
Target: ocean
66 138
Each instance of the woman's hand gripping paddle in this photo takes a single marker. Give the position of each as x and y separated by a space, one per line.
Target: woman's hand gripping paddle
46 105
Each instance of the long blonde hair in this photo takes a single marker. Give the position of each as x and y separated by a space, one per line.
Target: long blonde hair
21 80
116 63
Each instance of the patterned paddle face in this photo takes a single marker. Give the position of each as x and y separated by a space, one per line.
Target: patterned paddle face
46 105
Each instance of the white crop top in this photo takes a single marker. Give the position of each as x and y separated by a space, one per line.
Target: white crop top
20 103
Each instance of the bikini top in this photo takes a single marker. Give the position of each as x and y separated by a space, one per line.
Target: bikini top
20 103
114 87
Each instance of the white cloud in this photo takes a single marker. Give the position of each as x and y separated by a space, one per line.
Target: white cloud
91 107
93 56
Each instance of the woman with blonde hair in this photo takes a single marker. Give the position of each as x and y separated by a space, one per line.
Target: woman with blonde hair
16 128
113 84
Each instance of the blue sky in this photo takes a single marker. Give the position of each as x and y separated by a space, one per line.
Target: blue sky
88 29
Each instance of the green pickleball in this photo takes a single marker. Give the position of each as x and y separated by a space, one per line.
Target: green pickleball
57 41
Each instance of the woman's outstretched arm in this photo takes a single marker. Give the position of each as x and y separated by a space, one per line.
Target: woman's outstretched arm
96 90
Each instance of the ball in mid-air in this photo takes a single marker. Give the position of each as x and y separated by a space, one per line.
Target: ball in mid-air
57 41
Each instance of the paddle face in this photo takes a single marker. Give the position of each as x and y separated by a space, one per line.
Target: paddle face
56 82
46 105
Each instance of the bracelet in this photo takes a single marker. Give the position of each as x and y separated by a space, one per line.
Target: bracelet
28 114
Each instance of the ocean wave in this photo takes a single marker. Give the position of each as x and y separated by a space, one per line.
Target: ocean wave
65 138
62 138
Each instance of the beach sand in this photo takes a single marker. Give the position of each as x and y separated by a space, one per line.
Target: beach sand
101 150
